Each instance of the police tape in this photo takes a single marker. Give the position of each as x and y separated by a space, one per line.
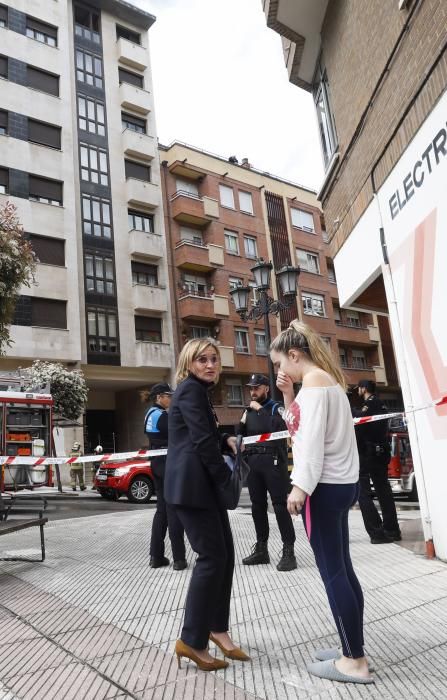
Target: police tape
121 456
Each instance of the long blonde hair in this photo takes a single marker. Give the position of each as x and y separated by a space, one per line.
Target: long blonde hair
190 352
300 336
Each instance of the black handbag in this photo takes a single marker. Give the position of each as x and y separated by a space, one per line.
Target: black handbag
231 492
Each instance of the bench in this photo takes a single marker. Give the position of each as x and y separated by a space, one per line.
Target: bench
13 518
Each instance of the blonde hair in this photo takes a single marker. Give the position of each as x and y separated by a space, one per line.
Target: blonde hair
190 352
300 336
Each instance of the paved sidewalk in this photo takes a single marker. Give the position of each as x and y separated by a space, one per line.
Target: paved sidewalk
94 621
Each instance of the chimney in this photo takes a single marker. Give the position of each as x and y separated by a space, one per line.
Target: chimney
245 163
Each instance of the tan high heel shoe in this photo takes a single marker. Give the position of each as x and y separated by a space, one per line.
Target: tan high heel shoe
182 649
236 654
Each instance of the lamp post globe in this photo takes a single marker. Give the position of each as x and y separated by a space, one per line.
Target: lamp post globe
261 272
287 277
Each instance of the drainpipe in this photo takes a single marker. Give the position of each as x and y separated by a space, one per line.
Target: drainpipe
170 263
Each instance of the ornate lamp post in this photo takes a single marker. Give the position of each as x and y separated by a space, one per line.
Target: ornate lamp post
288 281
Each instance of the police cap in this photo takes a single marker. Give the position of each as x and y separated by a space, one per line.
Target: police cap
367 384
162 388
258 379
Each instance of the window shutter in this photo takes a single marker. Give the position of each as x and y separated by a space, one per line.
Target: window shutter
49 313
46 134
145 269
4 66
41 80
4 14
125 76
49 250
42 27
3 119
48 189
138 171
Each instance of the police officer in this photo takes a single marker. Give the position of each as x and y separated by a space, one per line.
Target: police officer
268 472
374 453
156 428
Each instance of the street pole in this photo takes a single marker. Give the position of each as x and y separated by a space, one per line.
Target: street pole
268 339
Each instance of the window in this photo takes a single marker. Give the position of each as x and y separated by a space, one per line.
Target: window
358 359
44 134
235 282
251 247
246 202
87 24
94 165
231 242
88 68
48 313
41 31
99 274
144 274
102 330
326 124
4 66
186 187
195 284
140 222
235 392
45 191
91 116
241 338
313 304
343 357
50 251
353 318
124 33
137 170
200 332
226 196
194 235
134 123
96 217
3 16
260 345
125 76
302 219
337 316
252 284
309 262
331 274
4 181
41 80
3 122
148 329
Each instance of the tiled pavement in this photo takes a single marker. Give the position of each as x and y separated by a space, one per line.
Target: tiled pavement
94 621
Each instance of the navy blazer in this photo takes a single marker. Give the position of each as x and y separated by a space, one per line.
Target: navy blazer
195 467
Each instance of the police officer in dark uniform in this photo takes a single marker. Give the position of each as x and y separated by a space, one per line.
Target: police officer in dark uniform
156 428
268 473
374 453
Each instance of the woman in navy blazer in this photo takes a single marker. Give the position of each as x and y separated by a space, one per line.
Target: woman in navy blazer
195 471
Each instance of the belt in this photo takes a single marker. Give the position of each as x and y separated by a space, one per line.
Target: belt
261 450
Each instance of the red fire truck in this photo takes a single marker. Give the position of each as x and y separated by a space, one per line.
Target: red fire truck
26 429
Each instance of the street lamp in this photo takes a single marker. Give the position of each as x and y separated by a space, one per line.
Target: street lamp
287 278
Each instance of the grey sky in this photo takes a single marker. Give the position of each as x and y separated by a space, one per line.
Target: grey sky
220 84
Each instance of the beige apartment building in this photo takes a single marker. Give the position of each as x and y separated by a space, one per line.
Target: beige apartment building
378 74
79 159
221 215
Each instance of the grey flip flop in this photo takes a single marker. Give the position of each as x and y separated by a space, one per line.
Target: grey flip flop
333 653
329 671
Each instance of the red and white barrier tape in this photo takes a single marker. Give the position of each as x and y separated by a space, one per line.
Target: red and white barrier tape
250 440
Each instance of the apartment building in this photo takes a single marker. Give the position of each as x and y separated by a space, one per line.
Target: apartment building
378 74
78 158
220 217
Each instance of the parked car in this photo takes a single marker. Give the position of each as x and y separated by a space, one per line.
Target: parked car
400 468
132 478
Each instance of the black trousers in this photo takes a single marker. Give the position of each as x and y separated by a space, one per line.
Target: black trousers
375 469
165 518
207 607
265 477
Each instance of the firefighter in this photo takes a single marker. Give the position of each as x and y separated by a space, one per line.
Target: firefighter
268 473
374 453
77 468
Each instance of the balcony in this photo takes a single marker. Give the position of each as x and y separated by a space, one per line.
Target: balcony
196 308
151 245
380 375
152 354
134 98
197 256
192 209
138 145
131 54
141 193
146 298
353 334
227 355
374 334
